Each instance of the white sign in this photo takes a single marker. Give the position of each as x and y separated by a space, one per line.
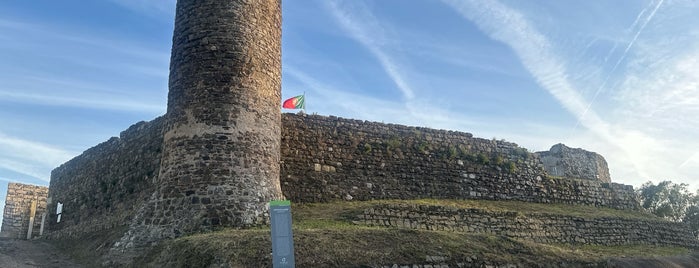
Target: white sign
59 209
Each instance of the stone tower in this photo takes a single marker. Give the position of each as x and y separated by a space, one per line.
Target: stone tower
564 161
221 150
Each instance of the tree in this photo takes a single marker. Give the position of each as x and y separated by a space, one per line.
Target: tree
668 200
691 216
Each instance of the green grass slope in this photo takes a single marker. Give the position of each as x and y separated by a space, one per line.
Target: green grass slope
324 236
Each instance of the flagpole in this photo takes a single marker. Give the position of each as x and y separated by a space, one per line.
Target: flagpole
304 101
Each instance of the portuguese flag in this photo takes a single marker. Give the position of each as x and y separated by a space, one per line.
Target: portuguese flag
298 102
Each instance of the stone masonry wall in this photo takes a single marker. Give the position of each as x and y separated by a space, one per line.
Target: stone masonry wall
16 215
330 158
564 161
220 161
538 227
102 188
325 159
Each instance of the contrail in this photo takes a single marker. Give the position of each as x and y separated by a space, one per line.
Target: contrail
611 51
650 17
359 30
623 56
638 17
690 159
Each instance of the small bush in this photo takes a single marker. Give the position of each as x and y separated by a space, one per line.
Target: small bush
393 143
453 153
463 150
498 160
521 152
510 167
423 147
481 158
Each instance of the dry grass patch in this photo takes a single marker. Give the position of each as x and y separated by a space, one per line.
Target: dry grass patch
346 211
324 236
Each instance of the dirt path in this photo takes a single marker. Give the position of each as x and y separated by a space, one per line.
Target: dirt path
35 253
674 262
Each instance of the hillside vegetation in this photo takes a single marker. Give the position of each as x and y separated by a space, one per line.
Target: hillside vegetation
325 236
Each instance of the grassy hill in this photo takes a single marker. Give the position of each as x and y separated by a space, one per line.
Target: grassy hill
325 236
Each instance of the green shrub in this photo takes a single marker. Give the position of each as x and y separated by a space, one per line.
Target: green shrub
521 152
393 143
481 158
498 160
453 153
423 147
510 167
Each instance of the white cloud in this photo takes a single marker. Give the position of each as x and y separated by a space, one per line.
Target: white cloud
7 180
41 153
31 158
666 96
631 152
26 168
337 101
158 8
643 25
365 29
102 102
362 26
332 98
41 34
664 100
533 48
80 52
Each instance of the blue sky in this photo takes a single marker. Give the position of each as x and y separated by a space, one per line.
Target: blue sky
616 78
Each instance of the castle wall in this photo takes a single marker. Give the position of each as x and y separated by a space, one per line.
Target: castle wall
325 158
18 203
537 227
330 158
102 188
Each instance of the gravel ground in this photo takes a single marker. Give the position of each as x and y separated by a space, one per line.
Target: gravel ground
16 253
663 262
